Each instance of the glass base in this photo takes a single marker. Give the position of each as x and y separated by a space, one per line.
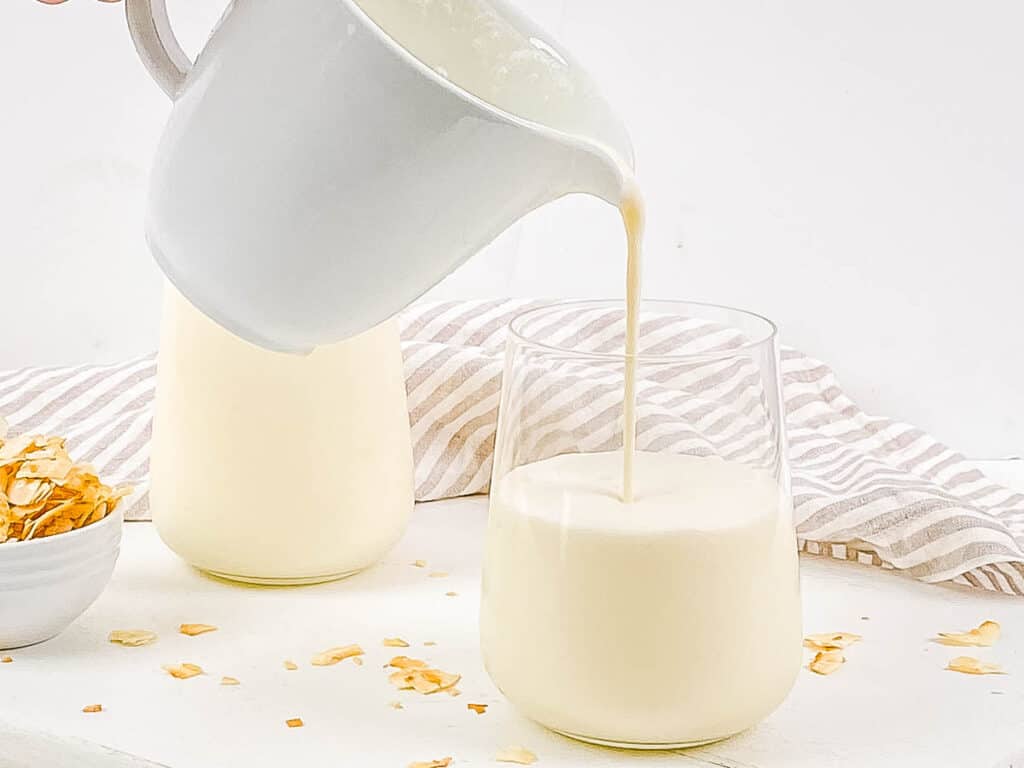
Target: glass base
641 745
279 582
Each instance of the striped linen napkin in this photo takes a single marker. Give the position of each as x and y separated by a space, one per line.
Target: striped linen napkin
865 488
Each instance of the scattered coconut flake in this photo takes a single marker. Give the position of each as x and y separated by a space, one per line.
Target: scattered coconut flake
229 681
451 594
5 659
196 629
358 661
132 638
419 563
437 575
182 671
404 662
985 634
520 755
831 641
430 642
334 655
396 705
453 692
290 665
443 680
294 722
395 642
402 680
972 666
827 662
478 708
92 708
444 762
415 675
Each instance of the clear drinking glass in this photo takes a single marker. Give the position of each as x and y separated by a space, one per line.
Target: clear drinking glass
674 619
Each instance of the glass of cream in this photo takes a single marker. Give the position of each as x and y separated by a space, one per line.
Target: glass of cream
641 593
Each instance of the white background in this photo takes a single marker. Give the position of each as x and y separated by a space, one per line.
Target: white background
854 170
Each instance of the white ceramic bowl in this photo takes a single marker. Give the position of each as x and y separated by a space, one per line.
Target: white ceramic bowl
45 584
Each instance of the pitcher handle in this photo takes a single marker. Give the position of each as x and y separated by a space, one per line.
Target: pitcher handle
156 44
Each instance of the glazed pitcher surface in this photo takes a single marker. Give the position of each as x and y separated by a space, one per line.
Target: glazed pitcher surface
318 173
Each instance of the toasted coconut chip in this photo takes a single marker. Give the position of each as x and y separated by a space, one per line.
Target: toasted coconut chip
831 641
972 666
196 629
44 493
404 662
420 684
520 755
229 681
5 659
132 637
985 634
422 680
182 671
478 708
441 679
92 708
419 563
24 492
290 665
19 447
401 679
444 762
396 705
827 662
46 468
334 655
294 722
395 642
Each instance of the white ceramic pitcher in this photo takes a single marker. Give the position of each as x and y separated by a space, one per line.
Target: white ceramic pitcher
316 176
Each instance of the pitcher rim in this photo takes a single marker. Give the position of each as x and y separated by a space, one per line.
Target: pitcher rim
450 85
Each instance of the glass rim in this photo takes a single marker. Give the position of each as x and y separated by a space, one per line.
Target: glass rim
771 330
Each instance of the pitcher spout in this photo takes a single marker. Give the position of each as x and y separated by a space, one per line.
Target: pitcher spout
600 172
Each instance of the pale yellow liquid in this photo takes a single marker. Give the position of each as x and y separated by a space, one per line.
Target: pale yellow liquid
277 468
632 210
671 621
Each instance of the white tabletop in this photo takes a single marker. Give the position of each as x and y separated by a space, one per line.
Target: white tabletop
892 704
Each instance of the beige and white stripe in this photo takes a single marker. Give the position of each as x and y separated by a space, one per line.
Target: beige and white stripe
866 489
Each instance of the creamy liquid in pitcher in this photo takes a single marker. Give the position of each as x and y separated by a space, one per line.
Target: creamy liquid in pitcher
489 50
